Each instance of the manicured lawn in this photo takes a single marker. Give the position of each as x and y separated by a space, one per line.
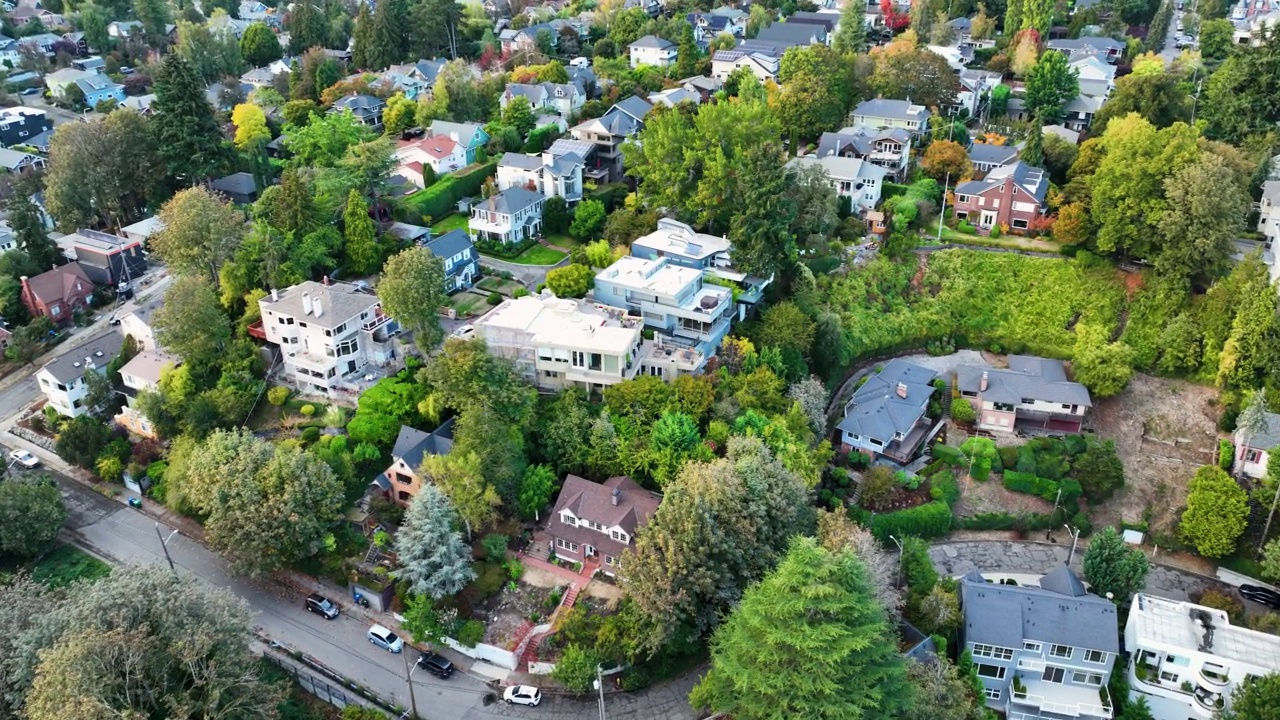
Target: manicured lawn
468 303
539 255
498 285
563 241
455 221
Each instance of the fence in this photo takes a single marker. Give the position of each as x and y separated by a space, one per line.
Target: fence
332 694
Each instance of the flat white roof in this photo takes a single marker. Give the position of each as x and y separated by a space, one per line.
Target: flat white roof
555 321
1157 621
656 276
676 238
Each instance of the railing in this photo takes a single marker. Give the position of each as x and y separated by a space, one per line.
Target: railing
378 320
1073 709
1032 665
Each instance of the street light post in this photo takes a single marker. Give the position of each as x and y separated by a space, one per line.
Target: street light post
1075 538
600 687
408 676
899 544
164 544
1056 500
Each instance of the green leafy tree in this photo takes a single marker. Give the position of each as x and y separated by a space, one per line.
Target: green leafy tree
212 55
259 45
785 326
433 558
519 115
1216 38
576 668
436 29
588 219
1205 213
399 115
1257 699
1051 84
1217 512
1248 345
571 281
1112 567
460 476
412 292
1033 149
807 641
1157 97
566 427
307 28
361 240
1102 366
761 233
93 23
192 324
201 232
469 378
101 174
154 16
187 135
324 141
82 440
941 693
28 229
903 69
537 489
31 515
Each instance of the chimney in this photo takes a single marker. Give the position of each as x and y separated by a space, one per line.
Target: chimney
902 390
616 494
982 385
306 303
275 295
317 307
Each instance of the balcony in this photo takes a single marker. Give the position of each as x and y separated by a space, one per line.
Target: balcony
1060 699
378 320
257 330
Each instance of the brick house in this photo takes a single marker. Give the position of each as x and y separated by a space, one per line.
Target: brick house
58 294
599 520
1010 195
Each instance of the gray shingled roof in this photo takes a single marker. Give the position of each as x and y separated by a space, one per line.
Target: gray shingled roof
339 302
878 411
450 244
652 41
511 201
792 34
99 351
1268 438
1031 178
889 108
1005 615
414 445
1028 377
992 154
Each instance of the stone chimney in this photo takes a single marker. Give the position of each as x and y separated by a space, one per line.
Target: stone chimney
982 384
902 390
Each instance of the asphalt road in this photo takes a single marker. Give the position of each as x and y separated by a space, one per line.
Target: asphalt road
123 535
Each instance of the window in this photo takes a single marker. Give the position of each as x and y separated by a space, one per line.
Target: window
1253 456
1020 224
1060 651
579 359
619 536
992 693
404 479
1031 646
569 520
991 651
1053 674
570 546
991 671
610 560
1169 677
962 198
404 496
1097 657
1086 678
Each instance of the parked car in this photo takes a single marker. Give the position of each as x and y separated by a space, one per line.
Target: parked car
465 332
1266 596
31 91
25 459
437 665
322 605
385 639
522 695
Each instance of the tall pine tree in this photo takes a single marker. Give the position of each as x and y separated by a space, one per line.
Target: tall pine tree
187 135
362 244
362 48
1033 150
390 34
761 233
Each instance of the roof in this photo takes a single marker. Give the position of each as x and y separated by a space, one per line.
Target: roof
673 237
843 168
992 154
148 364
1096 42
58 283
595 501
652 41
437 146
1069 135
861 138
633 106
566 323
145 228
14 158
1030 178
828 20
240 183
675 96
414 445
568 146
144 312
888 108
1058 612
462 132
97 352
98 241
1028 377
358 104
792 33
510 201
656 276
1159 622
450 244
890 402
340 302
1268 437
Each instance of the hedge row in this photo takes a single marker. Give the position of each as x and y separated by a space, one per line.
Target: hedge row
943 486
441 199
926 521
1005 521
1041 487
950 455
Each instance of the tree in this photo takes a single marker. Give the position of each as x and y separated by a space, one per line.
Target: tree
102 173
588 219
838 534
252 132
785 326
31 515
806 107
1013 16
1033 149
1256 699
434 30
686 50
1098 470
1103 366
1245 353
1217 512
259 46
468 378
577 667
941 693
1051 84
460 477
851 32
1242 98
212 55
904 70
761 232
93 22
1113 569
433 558
570 281
191 323
807 641
154 16
942 32
412 292
1216 38
1000 100
200 232
307 28
1059 154
537 489
325 140
187 135
82 440
945 157
725 523
1205 213
1157 97
399 115
361 240
28 228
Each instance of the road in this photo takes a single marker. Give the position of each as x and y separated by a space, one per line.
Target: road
57 115
123 535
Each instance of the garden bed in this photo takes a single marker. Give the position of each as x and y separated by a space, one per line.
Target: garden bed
510 614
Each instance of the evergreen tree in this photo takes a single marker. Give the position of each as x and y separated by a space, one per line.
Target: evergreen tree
686 51
259 45
761 232
362 48
1013 17
851 35
1111 566
433 558
1033 151
187 135
390 39
154 16
307 28
362 244
28 228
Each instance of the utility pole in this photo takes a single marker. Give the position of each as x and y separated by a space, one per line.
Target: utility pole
164 544
1075 538
899 544
1058 499
600 687
408 676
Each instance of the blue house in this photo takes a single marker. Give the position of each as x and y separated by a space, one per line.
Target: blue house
460 259
469 135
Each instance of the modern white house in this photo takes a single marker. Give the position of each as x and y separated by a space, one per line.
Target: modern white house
682 245
764 66
137 324
652 50
1253 450
62 380
328 334
439 152
549 174
859 180
1187 659
509 216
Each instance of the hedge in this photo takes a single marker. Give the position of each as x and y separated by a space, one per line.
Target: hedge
611 195
926 521
442 198
1005 521
1041 487
950 455
943 486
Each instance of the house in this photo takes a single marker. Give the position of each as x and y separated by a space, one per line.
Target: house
858 180
513 215
683 246
549 174
889 148
16 161
143 229
1079 112
975 87
140 104
137 324
402 480
652 50
108 260
1188 660
8 242
1070 136
240 188
828 21
674 96
1109 49
763 65
77 39
675 301
1269 216
439 152
1097 78
706 26
58 294
1032 395
1012 196
62 380
366 108
964 34
46 42
705 87
1044 651
9 51
263 77
19 125
794 34
223 26
598 522
886 113
142 374
414 79
93 64
328 333
461 261
563 98
986 157
471 136
888 415
607 134
24 14
1253 450
95 85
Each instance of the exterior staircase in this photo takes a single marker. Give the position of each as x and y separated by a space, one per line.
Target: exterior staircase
570 597
538 551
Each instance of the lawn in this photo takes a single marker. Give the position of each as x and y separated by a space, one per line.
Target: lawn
539 255
66 565
1015 242
468 303
498 285
561 240
455 221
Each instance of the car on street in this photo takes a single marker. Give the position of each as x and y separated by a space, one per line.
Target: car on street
24 458
465 332
322 606
437 665
1258 594
522 695
385 639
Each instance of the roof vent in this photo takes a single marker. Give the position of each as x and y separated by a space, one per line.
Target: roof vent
75 364
98 354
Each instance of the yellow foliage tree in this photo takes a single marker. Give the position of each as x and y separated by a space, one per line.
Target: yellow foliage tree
251 126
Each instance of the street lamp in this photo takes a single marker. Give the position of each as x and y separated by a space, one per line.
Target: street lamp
164 544
408 676
1075 538
899 544
600 686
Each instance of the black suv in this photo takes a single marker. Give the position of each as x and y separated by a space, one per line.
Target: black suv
321 605
437 665
1266 596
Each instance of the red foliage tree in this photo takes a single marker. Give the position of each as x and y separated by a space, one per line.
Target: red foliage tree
894 20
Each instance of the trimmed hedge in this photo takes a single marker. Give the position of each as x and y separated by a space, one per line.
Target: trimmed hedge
1041 487
943 486
950 455
1005 521
926 521
442 198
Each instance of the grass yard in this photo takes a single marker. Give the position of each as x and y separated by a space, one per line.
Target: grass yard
561 240
66 565
467 304
539 255
498 285
1014 242
455 221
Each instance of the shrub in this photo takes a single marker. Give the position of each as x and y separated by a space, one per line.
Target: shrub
930 520
1232 606
278 395
307 410
1029 484
519 293
964 227
962 412
440 199
950 455
877 486
944 487
310 435
470 633
495 547
493 298
576 669
1226 454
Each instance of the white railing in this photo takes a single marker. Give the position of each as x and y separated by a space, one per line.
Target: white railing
1073 709
1032 665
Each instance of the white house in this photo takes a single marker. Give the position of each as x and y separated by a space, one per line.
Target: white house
512 215
763 66
439 152
563 98
1269 214
142 374
652 50
62 380
889 148
886 113
137 324
550 175
1253 450
858 180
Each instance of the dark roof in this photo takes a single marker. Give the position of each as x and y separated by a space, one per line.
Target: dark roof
361 105
634 106
450 244
1028 377
1058 612
1030 178
992 154
510 201
827 20
240 183
1268 438
414 445
792 33
652 41
861 139
595 502
97 352
59 282
878 408
890 108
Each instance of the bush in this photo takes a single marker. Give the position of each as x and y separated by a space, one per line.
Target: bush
1005 521
519 293
470 633
930 520
493 298
1226 454
310 435
576 669
962 412
1232 606
278 395
950 455
307 410
495 547
944 487
441 199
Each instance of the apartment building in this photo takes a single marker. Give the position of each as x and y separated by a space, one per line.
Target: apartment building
1032 395
1041 652
327 333
685 247
673 300
1187 659
62 380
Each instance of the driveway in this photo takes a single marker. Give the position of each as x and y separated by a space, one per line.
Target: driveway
530 275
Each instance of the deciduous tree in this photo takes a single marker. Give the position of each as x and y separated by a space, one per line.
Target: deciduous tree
433 558
259 45
588 219
1205 213
571 281
412 292
31 515
946 157
469 378
201 232
1100 364
460 477
101 173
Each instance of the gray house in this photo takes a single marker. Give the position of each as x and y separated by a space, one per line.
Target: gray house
1041 652
887 415
458 253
